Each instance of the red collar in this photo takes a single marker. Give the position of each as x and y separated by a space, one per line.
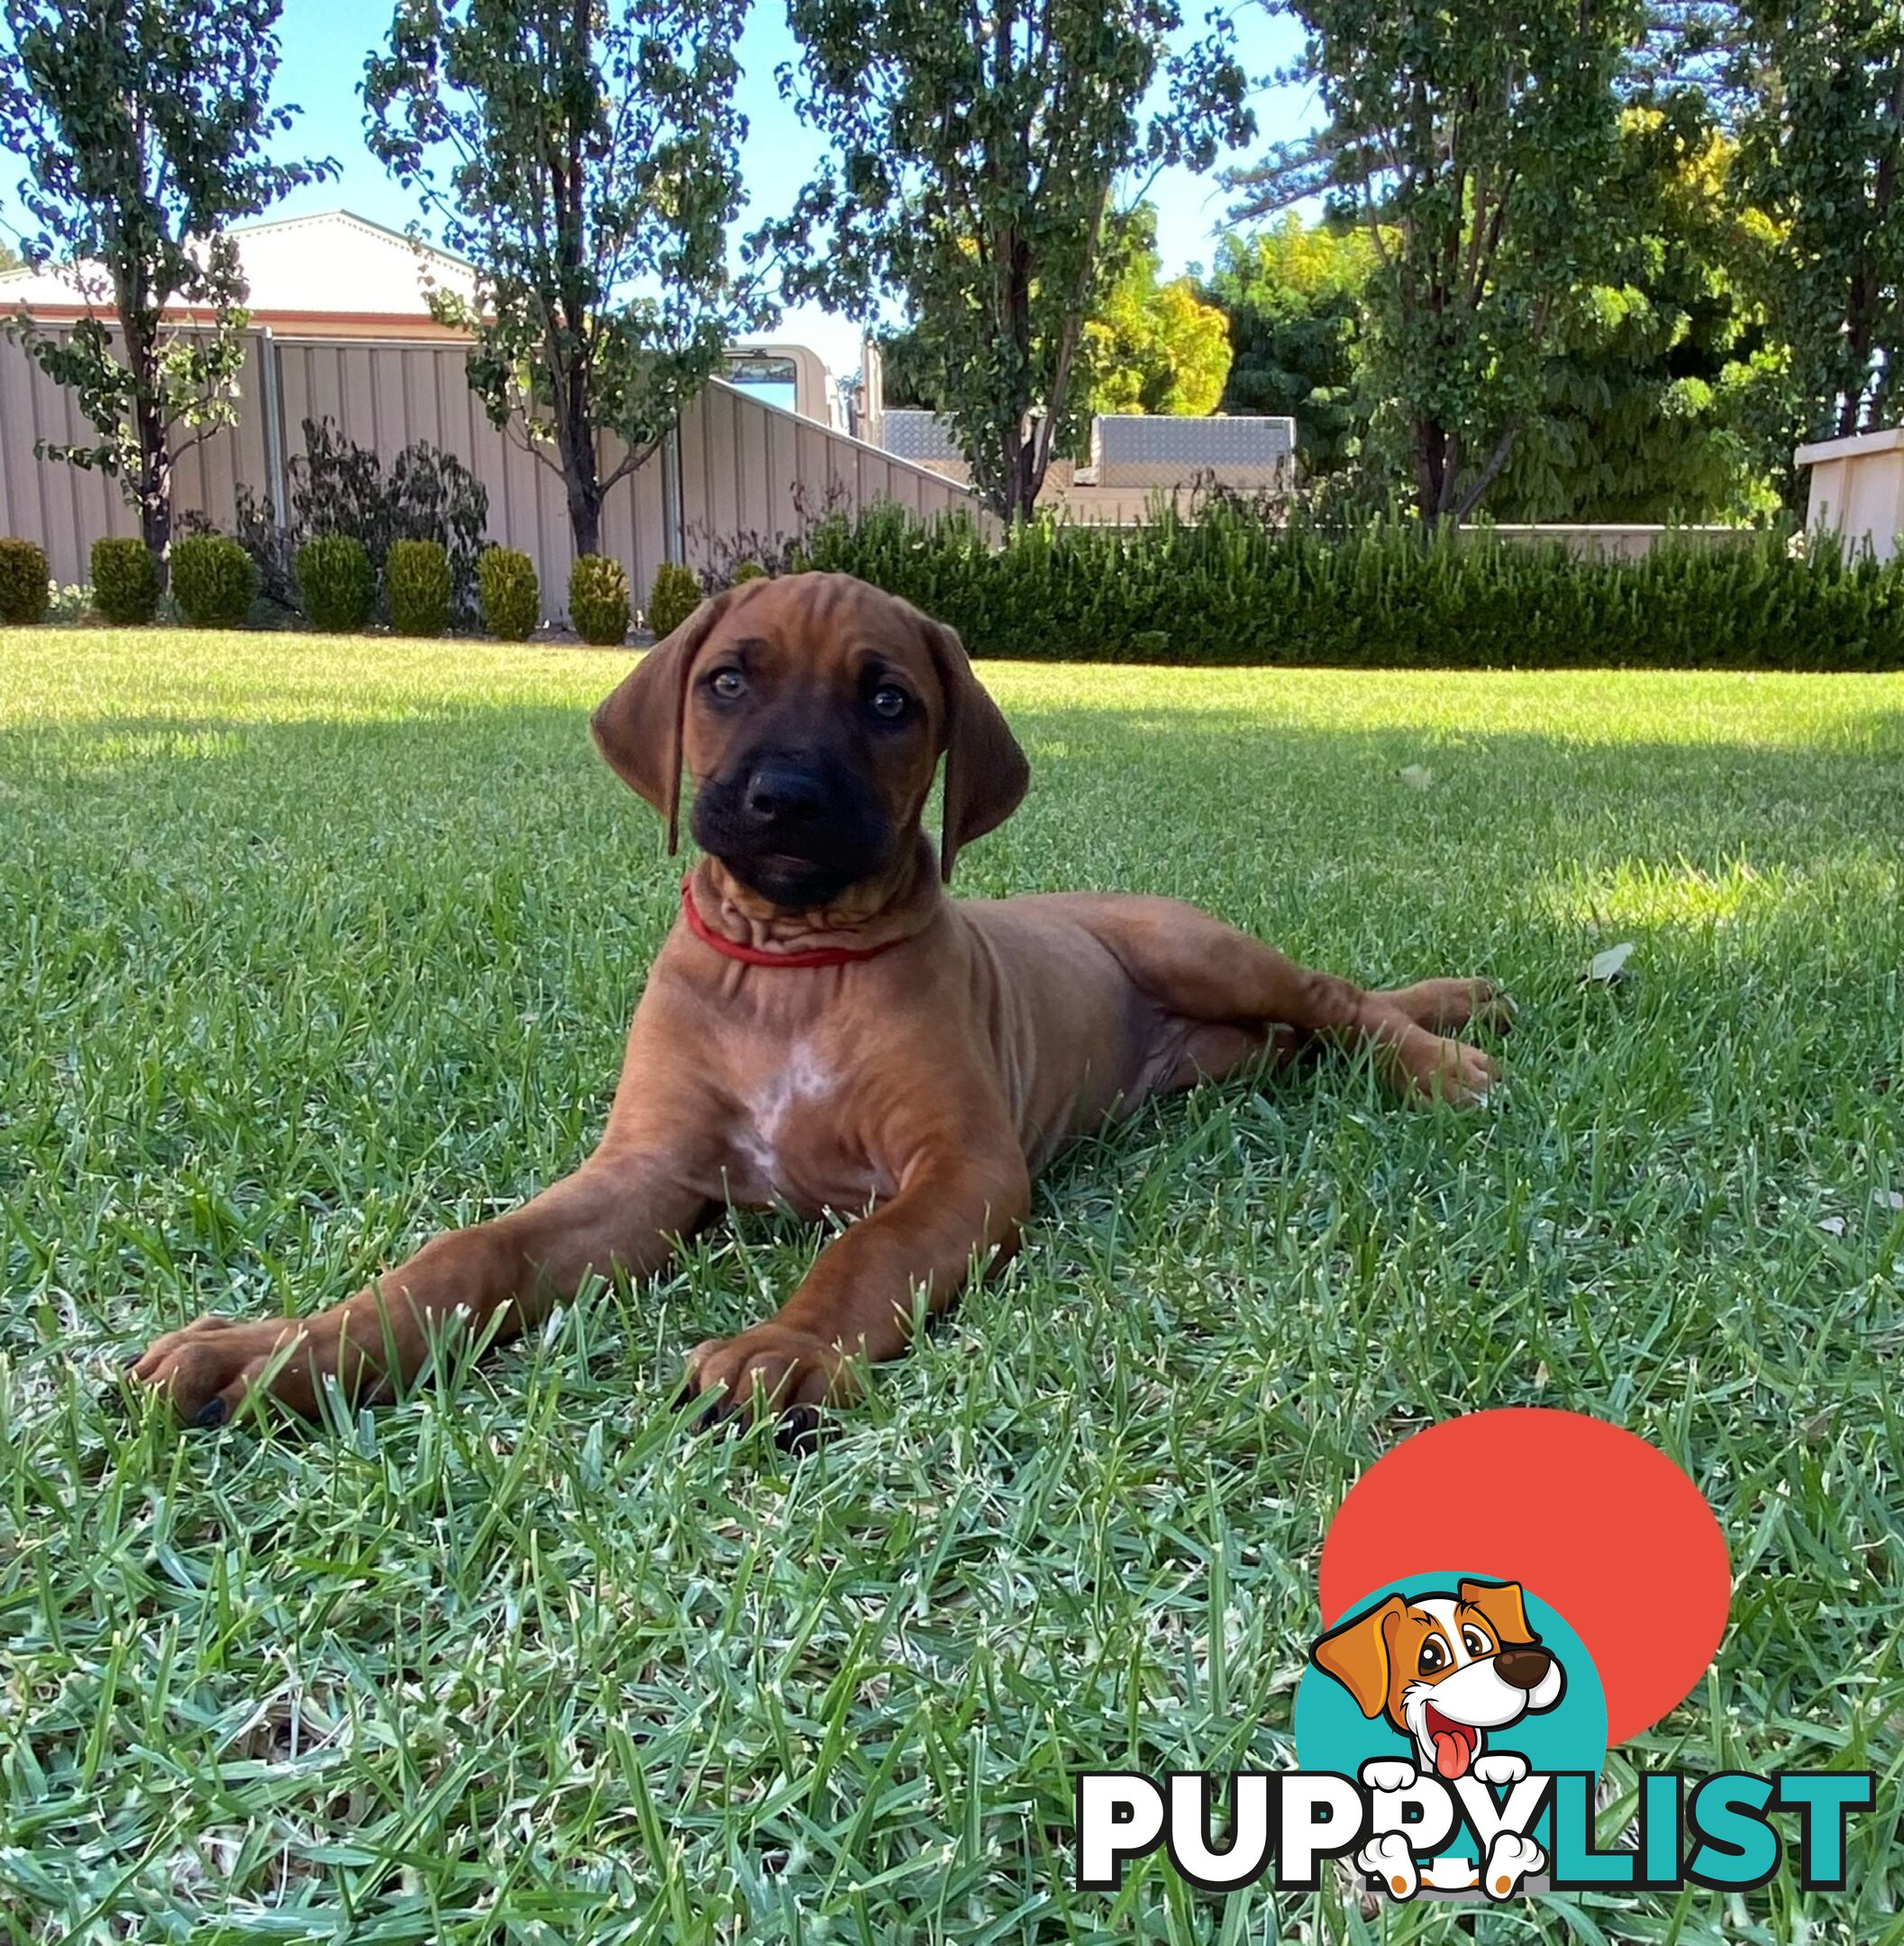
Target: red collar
822 956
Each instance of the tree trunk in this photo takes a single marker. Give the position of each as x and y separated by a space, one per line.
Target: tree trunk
581 478
154 482
155 515
1431 466
584 516
1884 191
1027 477
1014 494
1024 472
1856 360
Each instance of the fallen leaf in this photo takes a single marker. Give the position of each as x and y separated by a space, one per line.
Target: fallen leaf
1890 1199
1609 966
1417 777
1832 1225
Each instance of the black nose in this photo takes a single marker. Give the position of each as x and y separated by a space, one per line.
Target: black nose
782 793
1522 1668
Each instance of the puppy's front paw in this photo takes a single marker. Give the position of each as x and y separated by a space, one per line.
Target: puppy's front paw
1500 1766
1388 1773
769 1371
1389 1859
212 1367
1510 1858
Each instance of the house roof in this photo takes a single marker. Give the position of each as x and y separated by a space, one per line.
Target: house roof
298 269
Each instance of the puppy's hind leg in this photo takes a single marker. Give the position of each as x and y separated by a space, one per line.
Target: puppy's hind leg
1197 968
1212 1050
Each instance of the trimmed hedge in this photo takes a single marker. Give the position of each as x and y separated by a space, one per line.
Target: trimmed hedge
25 582
416 583
126 581
1235 589
335 582
598 600
511 594
675 596
213 581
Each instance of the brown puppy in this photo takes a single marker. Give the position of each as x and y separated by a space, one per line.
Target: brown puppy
824 1027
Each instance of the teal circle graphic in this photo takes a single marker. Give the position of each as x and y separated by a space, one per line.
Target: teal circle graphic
1333 1734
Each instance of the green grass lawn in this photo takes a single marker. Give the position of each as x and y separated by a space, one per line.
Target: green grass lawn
308 947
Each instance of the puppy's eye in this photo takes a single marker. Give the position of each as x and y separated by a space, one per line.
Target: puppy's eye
727 684
889 703
1476 1643
1434 1657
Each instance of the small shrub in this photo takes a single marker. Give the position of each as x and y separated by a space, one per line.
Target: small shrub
724 551
338 486
676 595
431 495
273 548
126 581
335 583
213 581
511 596
416 583
598 600
749 570
25 582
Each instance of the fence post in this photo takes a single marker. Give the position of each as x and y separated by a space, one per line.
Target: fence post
674 512
277 482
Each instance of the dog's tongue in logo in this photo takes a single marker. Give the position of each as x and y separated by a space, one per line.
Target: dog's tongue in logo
1454 1744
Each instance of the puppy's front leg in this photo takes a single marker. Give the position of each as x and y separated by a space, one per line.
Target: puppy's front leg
624 1206
956 1204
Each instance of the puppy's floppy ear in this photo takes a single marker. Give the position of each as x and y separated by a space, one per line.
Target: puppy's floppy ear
986 773
1356 1654
1502 1607
637 727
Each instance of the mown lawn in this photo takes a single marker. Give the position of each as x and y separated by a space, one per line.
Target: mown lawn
309 947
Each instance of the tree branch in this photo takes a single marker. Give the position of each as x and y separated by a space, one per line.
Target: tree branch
1485 478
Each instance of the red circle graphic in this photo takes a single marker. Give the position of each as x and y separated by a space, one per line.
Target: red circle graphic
1597 1522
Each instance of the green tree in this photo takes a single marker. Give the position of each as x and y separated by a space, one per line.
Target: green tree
1470 137
1295 296
1687 46
1151 345
1824 149
144 127
9 259
1665 397
584 157
970 174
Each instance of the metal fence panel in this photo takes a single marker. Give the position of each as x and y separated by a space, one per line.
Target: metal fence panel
748 471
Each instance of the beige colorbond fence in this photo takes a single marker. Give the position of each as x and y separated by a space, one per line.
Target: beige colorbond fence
66 508
736 466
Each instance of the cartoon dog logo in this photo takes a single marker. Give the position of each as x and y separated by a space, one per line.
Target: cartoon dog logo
1445 1669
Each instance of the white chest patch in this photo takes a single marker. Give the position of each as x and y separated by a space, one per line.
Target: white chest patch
801 1080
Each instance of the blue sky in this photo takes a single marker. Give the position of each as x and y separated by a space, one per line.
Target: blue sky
325 42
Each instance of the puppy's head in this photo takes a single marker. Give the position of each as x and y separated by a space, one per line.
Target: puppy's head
1445 1668
810 713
